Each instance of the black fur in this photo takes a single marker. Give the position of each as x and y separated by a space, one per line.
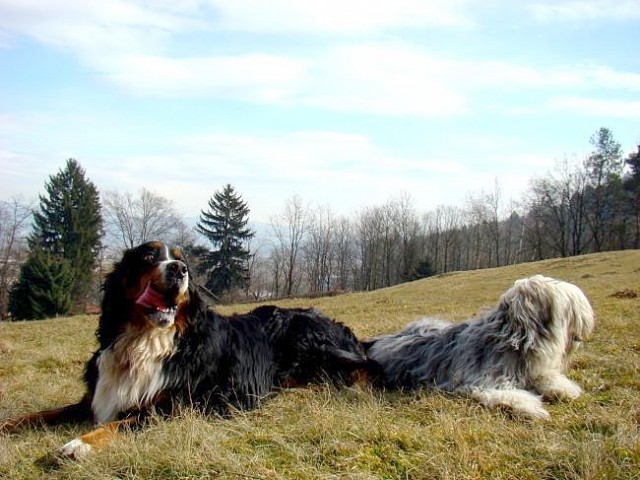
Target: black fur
311 348
161 345
221 363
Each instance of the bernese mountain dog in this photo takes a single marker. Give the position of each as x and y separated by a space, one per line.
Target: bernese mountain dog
162 345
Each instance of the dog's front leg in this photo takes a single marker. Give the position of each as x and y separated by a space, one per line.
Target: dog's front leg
82 446
556 386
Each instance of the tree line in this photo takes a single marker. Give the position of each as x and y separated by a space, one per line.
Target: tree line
580 207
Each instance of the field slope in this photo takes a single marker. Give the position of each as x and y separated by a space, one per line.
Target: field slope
359 433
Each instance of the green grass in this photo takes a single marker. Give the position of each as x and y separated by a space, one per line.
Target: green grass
359 433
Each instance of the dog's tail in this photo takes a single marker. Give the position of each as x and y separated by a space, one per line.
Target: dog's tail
75 413
359 370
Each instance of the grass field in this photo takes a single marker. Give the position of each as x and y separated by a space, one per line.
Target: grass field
356 433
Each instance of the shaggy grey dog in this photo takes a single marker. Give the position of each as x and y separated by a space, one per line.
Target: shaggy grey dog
513 356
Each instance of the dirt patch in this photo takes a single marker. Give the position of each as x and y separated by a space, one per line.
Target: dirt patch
626 293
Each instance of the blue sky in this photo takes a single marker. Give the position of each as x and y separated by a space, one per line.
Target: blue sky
345 103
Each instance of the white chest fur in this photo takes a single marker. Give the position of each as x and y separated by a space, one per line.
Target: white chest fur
130 371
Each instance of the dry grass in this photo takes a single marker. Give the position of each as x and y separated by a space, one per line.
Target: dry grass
354 433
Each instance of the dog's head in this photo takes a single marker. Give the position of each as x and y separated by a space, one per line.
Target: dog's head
548 314
148 287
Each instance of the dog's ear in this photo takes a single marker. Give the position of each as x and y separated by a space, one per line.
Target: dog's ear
527 312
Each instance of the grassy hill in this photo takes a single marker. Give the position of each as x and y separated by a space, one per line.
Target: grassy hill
360 433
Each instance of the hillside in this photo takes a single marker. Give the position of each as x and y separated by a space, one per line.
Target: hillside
360 433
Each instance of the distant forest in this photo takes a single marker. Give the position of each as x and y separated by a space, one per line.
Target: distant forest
585 206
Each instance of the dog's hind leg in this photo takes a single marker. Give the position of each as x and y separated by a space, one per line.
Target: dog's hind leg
75 413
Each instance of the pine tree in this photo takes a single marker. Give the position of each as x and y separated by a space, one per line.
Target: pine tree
604 168
44 287
68 225
632 188
225 226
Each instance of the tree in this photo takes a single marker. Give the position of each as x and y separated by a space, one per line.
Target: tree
44 289
407 228
290 229
133 220
345 254
225 226
632 189
423 269
319 250
68 226
604 168
14 216
605 161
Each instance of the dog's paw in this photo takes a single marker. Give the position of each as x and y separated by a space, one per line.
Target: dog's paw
571 391
537 412
76 449
561 389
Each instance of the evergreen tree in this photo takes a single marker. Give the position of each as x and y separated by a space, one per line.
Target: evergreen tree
605 162
424 269
68 225
632 188
44 287
225 226
604 169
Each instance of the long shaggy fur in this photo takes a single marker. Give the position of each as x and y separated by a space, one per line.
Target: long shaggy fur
512 356
161 345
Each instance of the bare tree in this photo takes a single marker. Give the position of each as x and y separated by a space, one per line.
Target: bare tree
14 218
513 235
370 224
554 214
445 228
406 221
257 288
387 238
557 201
319 249
132 220
479 216
345 255
494 202
289 229
432 229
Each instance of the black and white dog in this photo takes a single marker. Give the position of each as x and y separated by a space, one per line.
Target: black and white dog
513 356
161 345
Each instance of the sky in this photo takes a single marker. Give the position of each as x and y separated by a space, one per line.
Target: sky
344 103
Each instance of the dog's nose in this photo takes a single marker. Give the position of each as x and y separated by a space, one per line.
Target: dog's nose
177 269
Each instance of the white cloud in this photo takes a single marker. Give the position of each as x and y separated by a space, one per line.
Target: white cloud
127 43
495 74
250 77
608 78
338 16
92 29
108 26
346 171
385 79
382 78
585 10
597 107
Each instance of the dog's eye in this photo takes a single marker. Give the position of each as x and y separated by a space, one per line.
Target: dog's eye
149 257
